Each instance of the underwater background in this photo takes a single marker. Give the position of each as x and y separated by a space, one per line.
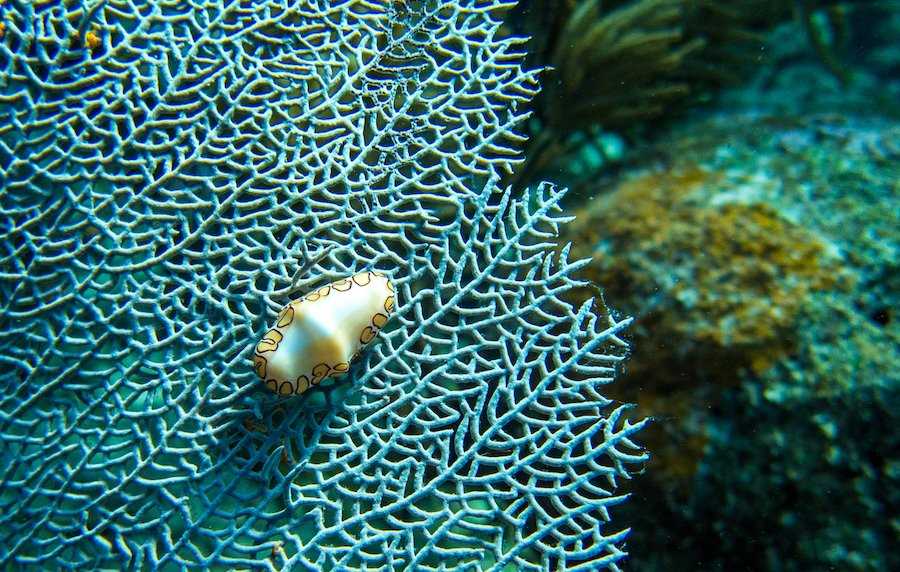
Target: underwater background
735 169
645 255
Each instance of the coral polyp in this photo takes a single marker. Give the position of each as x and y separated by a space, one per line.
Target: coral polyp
93 41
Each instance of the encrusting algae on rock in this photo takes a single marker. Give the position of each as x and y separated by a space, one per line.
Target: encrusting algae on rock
716 281
725 277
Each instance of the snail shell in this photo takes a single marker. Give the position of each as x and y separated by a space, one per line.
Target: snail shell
320 335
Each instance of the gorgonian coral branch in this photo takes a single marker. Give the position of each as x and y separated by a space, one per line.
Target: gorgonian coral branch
169 183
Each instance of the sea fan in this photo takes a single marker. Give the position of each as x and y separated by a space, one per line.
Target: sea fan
171 173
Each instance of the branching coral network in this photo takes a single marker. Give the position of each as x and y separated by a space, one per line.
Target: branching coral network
164 178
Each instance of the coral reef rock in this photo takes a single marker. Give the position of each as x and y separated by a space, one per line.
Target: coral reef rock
761 257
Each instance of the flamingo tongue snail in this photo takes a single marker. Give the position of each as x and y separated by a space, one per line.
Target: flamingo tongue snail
320 334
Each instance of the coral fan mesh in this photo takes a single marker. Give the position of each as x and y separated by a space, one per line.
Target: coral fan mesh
171 173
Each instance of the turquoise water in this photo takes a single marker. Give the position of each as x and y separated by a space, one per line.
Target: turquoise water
643 266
